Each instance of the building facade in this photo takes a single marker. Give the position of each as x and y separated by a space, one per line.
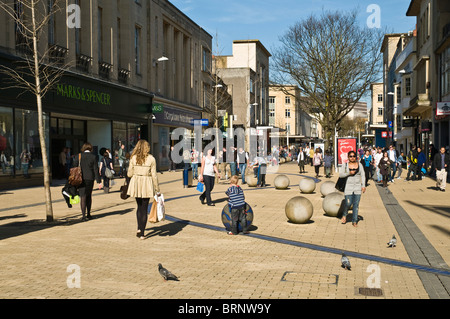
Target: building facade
134 69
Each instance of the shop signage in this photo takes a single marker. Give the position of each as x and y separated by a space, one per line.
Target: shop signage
83 94
443 108
202 122
157 108
384 134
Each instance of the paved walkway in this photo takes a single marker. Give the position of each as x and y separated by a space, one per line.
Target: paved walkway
277 260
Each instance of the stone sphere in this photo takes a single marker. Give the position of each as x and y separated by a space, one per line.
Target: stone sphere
251 180
307 185
282 182
226 217
299 210
327 188
333 204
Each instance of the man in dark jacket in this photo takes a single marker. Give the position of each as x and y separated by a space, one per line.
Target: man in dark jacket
441 163
421 161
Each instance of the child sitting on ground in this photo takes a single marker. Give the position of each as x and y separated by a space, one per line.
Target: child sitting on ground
237 206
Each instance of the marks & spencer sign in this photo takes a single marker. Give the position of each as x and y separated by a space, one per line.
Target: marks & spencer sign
83 94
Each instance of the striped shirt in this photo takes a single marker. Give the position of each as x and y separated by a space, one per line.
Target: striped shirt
236 196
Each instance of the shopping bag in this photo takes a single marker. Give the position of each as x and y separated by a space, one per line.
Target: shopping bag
74 200
200 187
153 217
160 210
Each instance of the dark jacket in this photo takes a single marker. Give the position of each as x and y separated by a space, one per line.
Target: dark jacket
438 162
421 159
89 167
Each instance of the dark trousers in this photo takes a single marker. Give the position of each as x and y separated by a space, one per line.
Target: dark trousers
209 185
142 213
412 168
85 192
317 169
301 166
238 216
367 173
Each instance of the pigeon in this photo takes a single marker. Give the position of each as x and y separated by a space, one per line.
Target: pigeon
167 275
392 242
345 262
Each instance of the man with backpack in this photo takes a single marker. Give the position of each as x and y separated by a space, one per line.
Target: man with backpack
413 161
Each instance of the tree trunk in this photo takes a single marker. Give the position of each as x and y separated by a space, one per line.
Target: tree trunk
48 195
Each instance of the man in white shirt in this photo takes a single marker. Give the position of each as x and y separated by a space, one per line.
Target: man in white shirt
393 157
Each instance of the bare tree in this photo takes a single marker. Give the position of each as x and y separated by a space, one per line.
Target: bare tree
333 60
37 70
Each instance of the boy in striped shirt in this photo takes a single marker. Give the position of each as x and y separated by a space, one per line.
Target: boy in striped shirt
237 206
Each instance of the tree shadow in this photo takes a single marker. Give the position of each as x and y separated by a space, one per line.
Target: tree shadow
13 216
16 229
440 210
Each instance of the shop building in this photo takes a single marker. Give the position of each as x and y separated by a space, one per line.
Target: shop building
137 69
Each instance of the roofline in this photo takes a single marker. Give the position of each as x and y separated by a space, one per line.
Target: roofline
257 43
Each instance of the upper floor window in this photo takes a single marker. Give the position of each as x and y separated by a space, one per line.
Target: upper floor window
287 100
380 97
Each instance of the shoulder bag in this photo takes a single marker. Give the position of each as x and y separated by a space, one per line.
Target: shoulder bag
341 182
76 176
108 172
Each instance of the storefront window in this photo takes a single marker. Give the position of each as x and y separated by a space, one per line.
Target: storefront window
134 135
78 128
119 138
6 141
28 158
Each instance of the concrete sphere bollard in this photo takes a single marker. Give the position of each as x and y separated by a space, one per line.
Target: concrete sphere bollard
251 180
282 182
307 185
226 217
327 188
333 204
299 210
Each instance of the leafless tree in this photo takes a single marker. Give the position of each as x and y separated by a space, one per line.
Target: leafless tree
37 70
333 60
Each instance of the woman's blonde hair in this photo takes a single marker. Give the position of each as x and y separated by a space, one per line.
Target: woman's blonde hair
141 151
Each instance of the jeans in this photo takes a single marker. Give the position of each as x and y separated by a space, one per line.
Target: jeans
242 168
194 170
25 169
349 200
233 169
393 170
238 216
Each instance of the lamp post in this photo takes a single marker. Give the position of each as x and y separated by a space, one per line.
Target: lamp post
389 109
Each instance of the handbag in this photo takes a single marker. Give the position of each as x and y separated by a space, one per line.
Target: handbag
108 172
200 187
76 176
124 191
340 184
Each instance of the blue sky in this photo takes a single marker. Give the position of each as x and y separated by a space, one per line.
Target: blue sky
266 20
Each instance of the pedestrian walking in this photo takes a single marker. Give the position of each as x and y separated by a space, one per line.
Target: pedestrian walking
25 159
106 164
421 163
317 161
441 164
90 174
236 202
311 156
400 162
392 154
327 163
354 187
207 176
194 163
121 158
378 156
173 165
366 161
242 160
412 161
301 158
385 168
143 184
3 162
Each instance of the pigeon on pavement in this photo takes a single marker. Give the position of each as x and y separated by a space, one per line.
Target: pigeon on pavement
345 262
392 242
167 275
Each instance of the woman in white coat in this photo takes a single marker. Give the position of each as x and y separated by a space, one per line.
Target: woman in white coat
144 182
